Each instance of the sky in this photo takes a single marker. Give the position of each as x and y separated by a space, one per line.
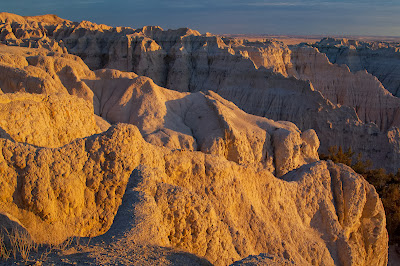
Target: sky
287 17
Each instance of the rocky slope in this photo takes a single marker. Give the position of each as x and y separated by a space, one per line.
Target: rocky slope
201 203
381 59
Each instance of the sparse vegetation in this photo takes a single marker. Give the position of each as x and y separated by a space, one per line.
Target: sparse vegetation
4 252
21 243
386 184
19 246
16 243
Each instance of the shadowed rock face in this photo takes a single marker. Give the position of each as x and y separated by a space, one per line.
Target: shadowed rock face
320 213
381 59
362 91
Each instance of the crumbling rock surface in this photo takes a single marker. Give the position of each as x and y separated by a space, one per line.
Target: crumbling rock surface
362 91
72 190
197 174
381 59
42 72
46 120
321 213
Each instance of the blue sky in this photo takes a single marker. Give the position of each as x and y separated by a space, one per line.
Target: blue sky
299 17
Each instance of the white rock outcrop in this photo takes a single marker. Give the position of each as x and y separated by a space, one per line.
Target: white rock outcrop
361 91
381 59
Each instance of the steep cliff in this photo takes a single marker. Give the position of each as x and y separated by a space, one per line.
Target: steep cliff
381 59
362 91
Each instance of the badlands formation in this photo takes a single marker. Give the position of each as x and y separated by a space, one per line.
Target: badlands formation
352 110
173 139
380 59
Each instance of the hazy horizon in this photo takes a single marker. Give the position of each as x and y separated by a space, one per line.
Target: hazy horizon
289 17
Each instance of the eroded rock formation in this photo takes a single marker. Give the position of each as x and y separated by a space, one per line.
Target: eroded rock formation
193 172
320 214
46 120
201 121
183 60
362 91
381 59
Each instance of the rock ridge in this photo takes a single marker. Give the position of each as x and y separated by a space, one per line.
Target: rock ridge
193 201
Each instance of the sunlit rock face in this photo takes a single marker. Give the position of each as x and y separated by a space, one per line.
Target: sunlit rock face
320 213
182 168
262 78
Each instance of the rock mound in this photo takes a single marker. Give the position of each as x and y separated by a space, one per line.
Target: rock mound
201 121
320 214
